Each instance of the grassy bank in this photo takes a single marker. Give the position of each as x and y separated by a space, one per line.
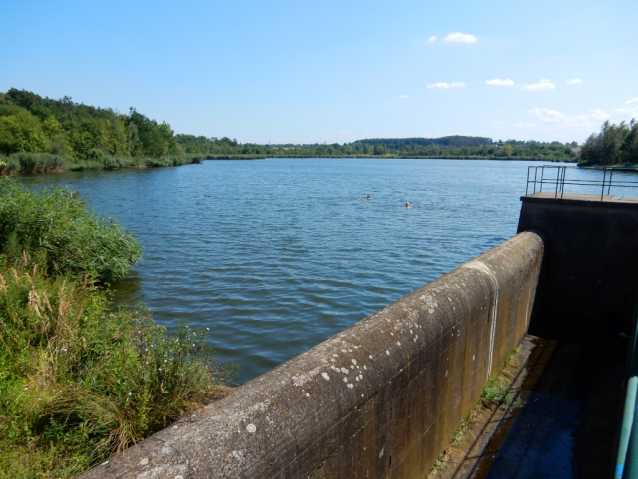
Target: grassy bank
29 163
34 163
79 382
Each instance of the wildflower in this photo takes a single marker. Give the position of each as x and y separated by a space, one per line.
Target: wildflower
26 388
130 394
63 349
207 329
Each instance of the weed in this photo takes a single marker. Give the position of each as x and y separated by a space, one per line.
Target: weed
496 392
79 383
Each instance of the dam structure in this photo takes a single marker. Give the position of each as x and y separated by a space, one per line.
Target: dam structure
383 398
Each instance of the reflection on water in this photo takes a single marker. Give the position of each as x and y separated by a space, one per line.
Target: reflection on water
277 255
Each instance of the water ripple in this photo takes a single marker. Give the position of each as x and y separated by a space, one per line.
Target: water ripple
275 256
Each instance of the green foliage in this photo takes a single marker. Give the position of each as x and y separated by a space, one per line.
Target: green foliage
629 148
505 150
605 148
36 162
32 124
496 392
20 131
379 149
79 383
56 227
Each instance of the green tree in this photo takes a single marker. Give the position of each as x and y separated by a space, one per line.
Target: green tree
20 131
379 149
629 148
505 150
604 148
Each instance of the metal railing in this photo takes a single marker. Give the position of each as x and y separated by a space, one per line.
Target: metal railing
554 178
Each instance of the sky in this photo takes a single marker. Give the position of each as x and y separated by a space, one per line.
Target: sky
330 71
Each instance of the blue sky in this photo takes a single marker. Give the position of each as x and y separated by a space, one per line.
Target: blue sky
304 72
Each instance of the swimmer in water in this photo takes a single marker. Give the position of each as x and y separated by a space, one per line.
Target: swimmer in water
368 198
407 205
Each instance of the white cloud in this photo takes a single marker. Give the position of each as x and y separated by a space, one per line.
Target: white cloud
629 112
432 39
460 38
403 97
499 82
547 115
592 119
635 100
542 85
575 81
446 86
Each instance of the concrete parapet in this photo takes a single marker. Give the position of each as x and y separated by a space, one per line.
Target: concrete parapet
380 399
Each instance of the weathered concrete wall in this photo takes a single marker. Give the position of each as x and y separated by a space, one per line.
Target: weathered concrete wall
380 399
589 278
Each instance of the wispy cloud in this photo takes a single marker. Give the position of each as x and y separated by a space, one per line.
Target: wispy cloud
541 85
575 81
446 86
432 39
459 37
403 97
593 118
628 111
499 82
635 100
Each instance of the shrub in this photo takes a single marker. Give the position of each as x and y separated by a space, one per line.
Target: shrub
56 227
79 383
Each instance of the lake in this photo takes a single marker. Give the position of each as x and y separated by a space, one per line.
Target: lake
275 256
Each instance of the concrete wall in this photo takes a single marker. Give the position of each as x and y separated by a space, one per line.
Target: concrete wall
589 278
380 399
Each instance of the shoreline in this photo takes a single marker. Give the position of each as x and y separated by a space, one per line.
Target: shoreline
198 159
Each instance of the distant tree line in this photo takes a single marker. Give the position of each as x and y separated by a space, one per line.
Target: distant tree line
31 124
446 147
613 145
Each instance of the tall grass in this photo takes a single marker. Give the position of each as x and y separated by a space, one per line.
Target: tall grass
79 383
63 234
21 163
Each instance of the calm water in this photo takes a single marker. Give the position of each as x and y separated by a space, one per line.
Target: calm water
275 256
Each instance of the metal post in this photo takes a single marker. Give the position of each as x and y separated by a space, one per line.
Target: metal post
562 184
535 174
602 192
611 175
557 178
527 184
542 174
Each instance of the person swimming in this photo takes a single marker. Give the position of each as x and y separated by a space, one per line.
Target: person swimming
407 205
368 198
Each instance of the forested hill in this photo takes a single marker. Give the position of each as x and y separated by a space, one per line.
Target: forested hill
41 134
32 124
449 141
